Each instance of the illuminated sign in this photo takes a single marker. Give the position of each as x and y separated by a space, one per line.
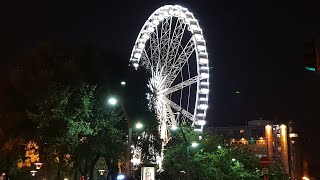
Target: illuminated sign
148 173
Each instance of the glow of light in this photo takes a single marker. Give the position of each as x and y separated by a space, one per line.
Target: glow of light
136 65
112 101
201 122
204 90
174 127
123 83
177 12
155 22
33 172
65 179
194 144
204 83
183 15
141 45
150 29
139 125
135 161
165 14
160 17
305 178
120 177
219 147
204 75
101 171
203 99
201 48
233 159
145 36
203 61
292 135
198 36
200 137
201 115
203 106
137 55
310 68
193 26
38 165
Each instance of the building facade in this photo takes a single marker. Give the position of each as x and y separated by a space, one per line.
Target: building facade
264 138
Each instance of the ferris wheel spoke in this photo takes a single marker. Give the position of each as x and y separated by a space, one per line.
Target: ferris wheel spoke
177 65
179 86
178 108
171 118
165 37
145 61
175 41
154 46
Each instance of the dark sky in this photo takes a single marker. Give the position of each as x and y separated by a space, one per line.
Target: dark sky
255 47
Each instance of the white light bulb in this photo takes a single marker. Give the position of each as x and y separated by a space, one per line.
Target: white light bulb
203 61
203 106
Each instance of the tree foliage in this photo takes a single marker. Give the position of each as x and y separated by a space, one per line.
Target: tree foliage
212 159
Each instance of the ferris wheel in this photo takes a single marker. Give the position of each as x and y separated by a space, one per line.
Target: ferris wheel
172 50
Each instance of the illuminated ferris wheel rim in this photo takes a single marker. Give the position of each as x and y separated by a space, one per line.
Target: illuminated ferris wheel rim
197 44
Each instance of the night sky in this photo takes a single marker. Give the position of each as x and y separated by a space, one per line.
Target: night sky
255 47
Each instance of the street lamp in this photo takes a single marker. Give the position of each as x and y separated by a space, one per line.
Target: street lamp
194 144
123 83
38 165
113 101
33 172
139 125
101 171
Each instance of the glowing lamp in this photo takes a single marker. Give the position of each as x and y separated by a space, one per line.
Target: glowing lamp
204 75
137 55
145 36
201 122
204 90
174 127
139 125
38 165
101 171
201 47
141 45
136 65
155 22
198 37
203 106
113 101
194 144
120 177
203 61
33 172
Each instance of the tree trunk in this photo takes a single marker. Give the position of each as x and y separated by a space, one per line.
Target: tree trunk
92 165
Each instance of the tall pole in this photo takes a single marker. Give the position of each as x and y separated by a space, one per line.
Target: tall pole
128 163
188 173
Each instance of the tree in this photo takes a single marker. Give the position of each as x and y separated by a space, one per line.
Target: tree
75 130
211 160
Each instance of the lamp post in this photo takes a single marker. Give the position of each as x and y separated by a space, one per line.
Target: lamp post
113 101
188 146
